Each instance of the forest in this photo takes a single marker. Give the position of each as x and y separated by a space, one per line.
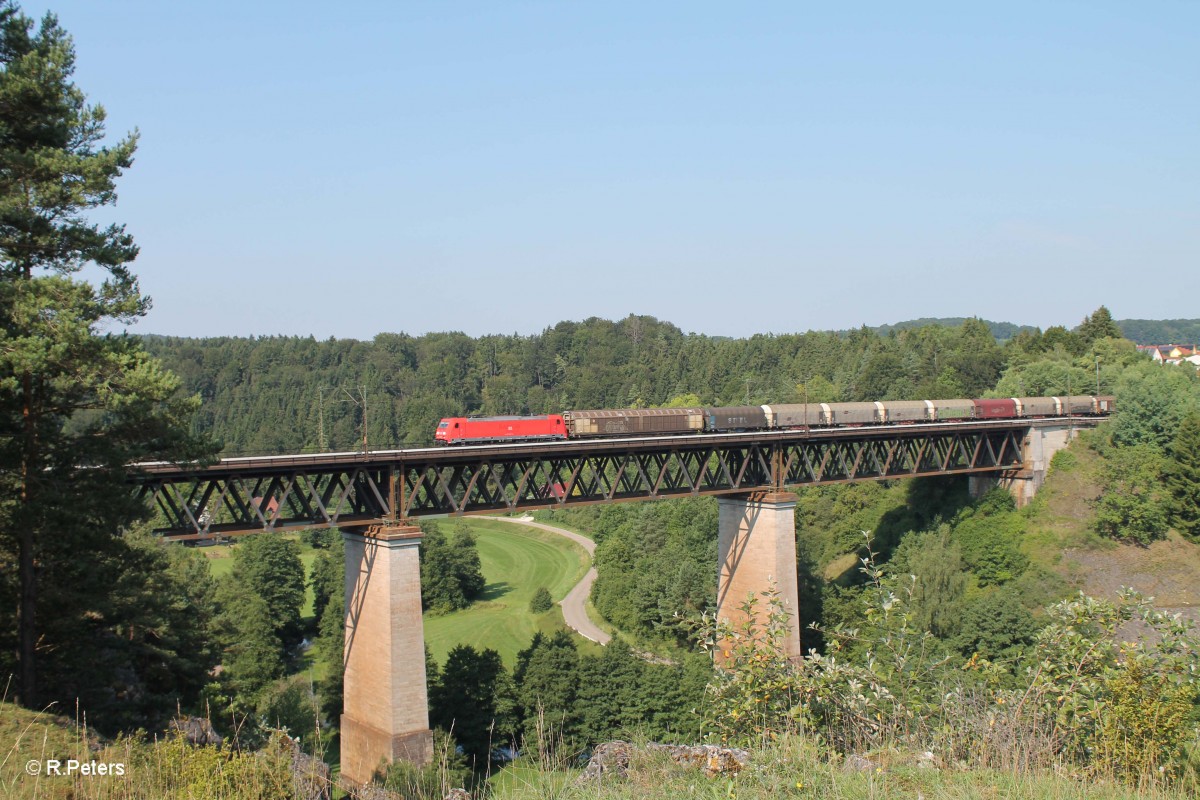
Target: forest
390 392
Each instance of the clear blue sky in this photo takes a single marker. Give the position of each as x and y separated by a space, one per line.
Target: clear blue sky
343 169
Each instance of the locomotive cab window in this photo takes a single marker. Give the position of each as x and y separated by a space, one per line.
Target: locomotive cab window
443 424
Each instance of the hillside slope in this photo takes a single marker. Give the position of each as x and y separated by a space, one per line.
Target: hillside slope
1061 540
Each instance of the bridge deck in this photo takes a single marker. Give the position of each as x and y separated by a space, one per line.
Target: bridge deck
244 495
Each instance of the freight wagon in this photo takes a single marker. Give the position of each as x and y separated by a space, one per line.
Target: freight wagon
729 419
633 422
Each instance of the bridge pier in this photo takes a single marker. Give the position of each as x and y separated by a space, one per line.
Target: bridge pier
757 548
386 709
1037 449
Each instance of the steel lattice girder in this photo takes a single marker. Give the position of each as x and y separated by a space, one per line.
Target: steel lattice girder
421 483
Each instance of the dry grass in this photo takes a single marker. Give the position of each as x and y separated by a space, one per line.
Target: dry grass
796 768
162 770
1061 537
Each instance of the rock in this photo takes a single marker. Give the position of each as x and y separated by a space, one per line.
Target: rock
612 759
197 731
457 794
311 777
371 791
885 760
608 758
713 759
856 763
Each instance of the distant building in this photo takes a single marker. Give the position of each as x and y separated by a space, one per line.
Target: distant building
1171 353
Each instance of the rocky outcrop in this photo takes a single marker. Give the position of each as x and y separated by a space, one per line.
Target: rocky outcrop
196 731
611 759
711 758
373 791
310 776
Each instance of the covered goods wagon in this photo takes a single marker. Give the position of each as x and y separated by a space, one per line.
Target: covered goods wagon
633 421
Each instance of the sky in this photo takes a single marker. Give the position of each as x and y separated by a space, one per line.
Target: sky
346 169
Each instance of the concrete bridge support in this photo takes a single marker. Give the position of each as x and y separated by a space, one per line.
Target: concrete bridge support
757 549
1038 448
386 713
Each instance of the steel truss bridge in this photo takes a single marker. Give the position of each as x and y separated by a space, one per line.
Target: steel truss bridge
247 495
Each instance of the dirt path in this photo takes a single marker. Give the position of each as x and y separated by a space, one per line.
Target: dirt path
573 605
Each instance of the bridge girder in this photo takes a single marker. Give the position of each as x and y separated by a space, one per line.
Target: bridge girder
246 496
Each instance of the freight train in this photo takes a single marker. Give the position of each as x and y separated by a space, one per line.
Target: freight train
729 419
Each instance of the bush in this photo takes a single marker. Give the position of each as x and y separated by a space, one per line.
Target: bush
1089 702
990 537
541 601
451 575
1134 506
290 705
433 781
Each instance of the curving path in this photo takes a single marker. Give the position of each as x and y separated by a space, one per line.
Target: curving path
573 605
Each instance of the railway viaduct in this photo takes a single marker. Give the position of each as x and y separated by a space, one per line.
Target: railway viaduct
374 498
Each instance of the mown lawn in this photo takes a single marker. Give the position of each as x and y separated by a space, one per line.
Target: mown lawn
516 561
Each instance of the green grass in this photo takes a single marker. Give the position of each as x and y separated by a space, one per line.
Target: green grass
516 561
798 770
558 521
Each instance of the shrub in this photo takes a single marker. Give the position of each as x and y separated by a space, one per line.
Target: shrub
1134 506
1088 702
541 601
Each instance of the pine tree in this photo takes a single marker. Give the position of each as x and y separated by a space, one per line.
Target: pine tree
1098 325
252 653
330 648
327 576
76 405
269 565
1182 477
547 684
541 601
464 701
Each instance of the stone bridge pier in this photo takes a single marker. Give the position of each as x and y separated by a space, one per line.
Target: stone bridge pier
756 549
385 712
1037 449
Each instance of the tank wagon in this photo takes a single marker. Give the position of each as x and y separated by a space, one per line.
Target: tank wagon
600 423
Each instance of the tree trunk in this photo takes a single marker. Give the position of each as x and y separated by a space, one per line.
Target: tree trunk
26 626
28 629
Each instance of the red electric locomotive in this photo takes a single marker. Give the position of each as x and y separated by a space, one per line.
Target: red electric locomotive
481 430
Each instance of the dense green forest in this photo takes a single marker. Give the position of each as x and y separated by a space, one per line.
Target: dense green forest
1003 331
286 394
1139 331
1161 331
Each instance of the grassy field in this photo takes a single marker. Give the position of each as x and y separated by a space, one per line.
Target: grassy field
799 770
516 561
558 521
